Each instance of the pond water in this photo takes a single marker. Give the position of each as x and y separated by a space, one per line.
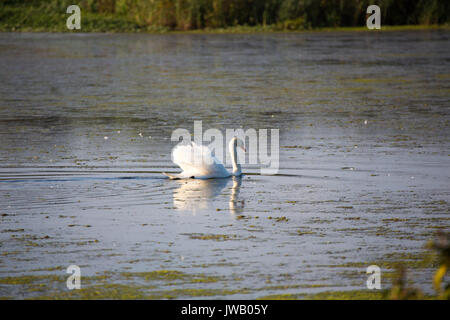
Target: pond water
85 133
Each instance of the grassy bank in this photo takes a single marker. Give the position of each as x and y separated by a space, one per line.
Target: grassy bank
28 17
214 16
264 29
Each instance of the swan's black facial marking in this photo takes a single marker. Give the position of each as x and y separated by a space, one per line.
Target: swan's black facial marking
192 177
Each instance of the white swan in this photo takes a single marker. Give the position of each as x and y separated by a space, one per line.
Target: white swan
198 162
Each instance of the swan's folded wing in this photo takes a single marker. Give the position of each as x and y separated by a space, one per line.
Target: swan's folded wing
197 161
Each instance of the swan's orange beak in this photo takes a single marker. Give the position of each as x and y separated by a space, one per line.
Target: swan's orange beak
243 148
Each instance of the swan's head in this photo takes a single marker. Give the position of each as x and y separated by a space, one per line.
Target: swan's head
237 143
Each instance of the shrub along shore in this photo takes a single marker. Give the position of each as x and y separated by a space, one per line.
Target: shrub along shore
220 16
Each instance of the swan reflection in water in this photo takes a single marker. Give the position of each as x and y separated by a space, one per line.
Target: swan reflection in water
195 194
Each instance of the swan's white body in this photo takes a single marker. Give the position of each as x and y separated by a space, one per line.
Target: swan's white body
197 162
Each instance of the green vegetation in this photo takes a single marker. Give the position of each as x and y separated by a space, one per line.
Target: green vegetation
401 288
217 15
158 286
170 275
174 284
125 292
37 15
216 237
330 295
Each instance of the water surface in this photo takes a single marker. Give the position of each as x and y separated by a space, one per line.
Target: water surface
364 161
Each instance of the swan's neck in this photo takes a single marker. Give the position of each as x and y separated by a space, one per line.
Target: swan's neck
236 165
